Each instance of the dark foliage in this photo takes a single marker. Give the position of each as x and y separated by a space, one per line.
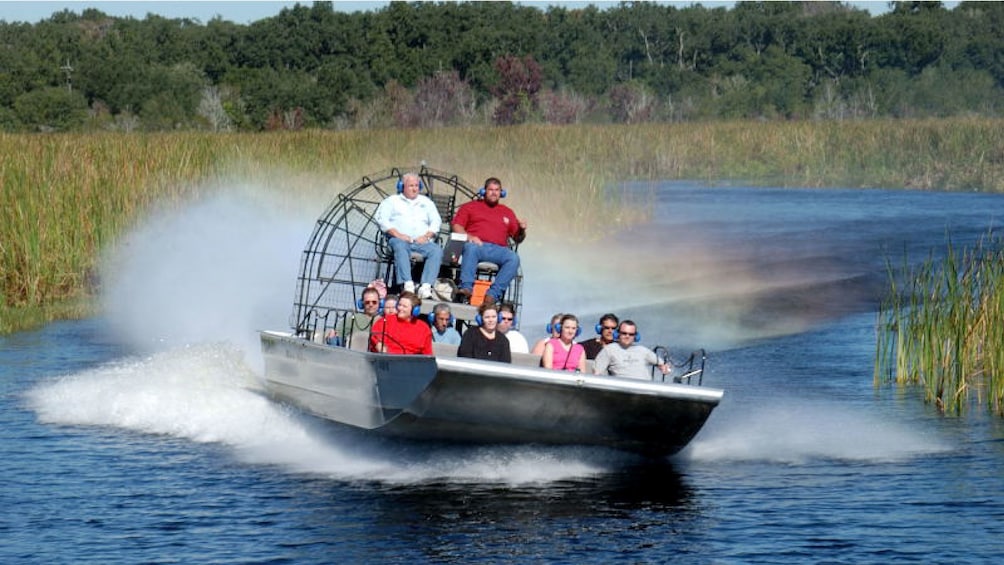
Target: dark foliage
442 64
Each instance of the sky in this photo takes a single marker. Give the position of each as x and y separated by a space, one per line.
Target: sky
244 12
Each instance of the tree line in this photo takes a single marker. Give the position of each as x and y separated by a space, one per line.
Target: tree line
446 64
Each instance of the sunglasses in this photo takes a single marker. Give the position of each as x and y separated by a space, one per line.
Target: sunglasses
629 334
610 327
506 318
371 302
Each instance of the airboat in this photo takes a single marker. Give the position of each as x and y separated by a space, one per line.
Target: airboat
443 397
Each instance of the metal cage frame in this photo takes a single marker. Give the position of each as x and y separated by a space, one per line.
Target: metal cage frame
347 251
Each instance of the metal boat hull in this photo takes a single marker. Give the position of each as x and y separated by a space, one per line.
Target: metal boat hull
464 400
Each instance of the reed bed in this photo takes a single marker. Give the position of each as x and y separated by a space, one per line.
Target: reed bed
67 196
940 328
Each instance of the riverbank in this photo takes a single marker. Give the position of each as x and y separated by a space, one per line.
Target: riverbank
68 197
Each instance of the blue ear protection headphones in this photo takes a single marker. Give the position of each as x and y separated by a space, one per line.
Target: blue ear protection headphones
359 304
481 192
400 185
551 328
416 311
432 318
637 335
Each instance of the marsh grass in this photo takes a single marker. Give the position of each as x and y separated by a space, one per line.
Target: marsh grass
941 328
67 197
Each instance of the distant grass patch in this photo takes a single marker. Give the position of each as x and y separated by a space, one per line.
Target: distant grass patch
942 328
67 197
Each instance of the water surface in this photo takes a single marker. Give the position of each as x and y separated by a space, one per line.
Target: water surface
142 436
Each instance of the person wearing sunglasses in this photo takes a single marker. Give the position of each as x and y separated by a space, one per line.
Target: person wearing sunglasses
507 317
605 330
356 327
627 358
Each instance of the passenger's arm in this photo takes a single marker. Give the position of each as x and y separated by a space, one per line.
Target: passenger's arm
547 358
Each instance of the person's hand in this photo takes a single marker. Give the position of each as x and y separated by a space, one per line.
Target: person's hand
522 224
474 239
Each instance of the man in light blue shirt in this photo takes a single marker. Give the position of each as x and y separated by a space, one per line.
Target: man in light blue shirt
411 222
442 327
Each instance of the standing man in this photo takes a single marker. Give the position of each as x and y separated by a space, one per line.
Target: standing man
488 225
605 330
626 358
411 222
507 316
403 332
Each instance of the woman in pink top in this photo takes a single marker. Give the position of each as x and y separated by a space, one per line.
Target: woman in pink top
562 352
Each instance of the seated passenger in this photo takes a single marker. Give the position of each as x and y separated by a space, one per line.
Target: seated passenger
485 341
442 331
488 226
507 316
358 324
626 358
562 353
389 306
411 222
402 333
605 330
554 328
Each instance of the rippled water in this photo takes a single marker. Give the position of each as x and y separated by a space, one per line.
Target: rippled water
142 436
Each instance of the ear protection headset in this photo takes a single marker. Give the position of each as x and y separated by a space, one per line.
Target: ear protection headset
481 192
359 304
400 185
432 318
416 311
557 328
599 330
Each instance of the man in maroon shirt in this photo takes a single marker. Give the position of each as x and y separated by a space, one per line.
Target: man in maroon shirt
488 225
403 333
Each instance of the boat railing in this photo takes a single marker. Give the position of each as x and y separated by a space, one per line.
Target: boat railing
692 367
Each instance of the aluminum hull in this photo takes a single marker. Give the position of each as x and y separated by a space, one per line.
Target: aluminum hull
453 399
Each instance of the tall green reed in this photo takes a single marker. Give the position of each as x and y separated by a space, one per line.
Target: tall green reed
65 197
940 327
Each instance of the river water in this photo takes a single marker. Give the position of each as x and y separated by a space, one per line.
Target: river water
142 436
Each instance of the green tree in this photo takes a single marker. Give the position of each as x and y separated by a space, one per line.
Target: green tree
51 108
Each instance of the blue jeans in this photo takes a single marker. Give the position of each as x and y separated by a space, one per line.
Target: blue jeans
432 252
505 258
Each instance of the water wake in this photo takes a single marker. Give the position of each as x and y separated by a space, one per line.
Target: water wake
797 432
207 393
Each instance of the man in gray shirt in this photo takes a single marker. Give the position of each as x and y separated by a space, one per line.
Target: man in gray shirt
625 358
